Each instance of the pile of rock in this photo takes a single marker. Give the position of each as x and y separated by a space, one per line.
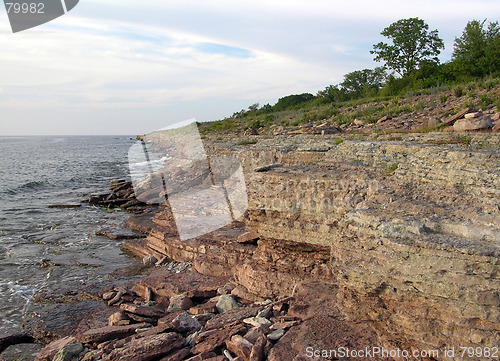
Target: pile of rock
204 323
122 195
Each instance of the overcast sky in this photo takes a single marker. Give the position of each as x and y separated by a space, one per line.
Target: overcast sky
131 67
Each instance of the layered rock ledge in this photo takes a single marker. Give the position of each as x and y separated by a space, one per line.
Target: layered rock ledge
389 241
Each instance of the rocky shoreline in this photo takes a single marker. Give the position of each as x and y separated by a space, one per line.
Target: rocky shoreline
380 241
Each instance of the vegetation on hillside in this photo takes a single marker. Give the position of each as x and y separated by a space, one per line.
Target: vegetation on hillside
411 68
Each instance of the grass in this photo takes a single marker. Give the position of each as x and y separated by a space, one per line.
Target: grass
481 93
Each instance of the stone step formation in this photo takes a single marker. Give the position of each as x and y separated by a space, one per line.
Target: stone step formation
378 240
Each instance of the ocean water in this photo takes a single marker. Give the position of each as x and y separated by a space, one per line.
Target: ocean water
36 172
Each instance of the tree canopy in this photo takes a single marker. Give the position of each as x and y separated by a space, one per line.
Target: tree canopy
412 44
363 82
477 51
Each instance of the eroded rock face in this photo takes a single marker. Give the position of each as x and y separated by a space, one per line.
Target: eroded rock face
394 243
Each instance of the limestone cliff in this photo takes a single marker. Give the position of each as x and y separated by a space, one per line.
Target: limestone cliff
401 233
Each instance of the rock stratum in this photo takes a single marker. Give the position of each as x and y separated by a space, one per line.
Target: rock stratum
387 242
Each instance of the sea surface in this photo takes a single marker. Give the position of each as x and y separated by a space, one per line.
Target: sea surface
35 173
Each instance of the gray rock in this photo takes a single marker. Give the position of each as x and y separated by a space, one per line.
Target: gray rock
69 352
226 303
179 303
266 312
258 321
470 124
186 323
276 335
149 260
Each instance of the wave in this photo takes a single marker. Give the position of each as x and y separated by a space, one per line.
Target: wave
26 187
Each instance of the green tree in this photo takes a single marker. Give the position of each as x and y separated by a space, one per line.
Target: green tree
477 51
253 107
292 100
364 82
412 43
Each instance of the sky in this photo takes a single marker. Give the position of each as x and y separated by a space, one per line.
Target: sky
132 67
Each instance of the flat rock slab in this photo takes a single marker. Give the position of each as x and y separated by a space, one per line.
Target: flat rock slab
118 233
145 311
49 351
147 348
191 283
102 334
230 317
141 223
209 341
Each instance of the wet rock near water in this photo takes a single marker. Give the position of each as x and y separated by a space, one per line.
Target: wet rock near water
122 195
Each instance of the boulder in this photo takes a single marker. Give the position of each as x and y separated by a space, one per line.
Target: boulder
146 348
179 302
49 351
69 352
226 303
149 260
471 124
186 323
276 334
239 346
118 319
496 127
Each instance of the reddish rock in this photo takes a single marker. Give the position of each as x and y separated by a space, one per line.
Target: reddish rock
230 317
186 323
208 341
145 311
100 335
248 237
284 325
203 356
49 351
384 119
253 334
239 346
226 289
118 319
178 355
108 295
324 327
207 307
457 116
146 348
191 283
257 353
167 320
496 127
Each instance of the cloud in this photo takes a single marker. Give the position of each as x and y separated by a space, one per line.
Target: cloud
166 61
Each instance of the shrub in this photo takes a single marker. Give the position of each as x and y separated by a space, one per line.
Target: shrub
459 91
